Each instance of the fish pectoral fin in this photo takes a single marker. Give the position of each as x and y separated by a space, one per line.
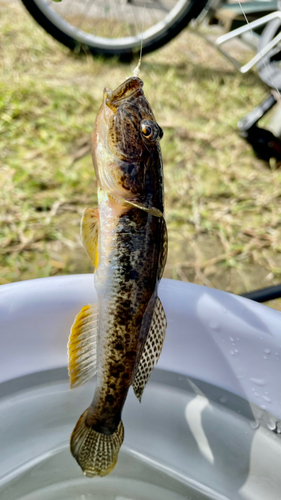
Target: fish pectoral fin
151 211
90 233
134 203
152 349
164 250
82 346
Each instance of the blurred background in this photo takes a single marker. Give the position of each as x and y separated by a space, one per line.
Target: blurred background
222 203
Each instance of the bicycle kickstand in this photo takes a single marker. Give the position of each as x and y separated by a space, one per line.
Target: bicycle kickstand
265 144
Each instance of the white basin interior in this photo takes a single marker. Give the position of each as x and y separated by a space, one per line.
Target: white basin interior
205 428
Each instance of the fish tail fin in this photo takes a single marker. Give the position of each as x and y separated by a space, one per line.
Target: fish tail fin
95 452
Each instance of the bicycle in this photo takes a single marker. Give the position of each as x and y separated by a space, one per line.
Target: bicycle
118 27
114 27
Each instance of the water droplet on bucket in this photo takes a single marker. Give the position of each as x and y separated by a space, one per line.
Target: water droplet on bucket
267 399
214 325
254 425
223 399
258 381
231 339
263 407
267 351
265 357
271 425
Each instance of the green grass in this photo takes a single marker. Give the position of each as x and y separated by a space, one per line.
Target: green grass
222 204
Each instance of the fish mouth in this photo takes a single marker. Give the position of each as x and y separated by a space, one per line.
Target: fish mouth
131 88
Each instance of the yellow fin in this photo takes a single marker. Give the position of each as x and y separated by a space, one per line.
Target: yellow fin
82 346
90 233
152 349
96 453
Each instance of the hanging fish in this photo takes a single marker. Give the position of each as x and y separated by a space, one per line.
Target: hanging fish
121 336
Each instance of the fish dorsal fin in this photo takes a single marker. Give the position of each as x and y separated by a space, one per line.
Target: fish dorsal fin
90 233
164 250
152 349
82 346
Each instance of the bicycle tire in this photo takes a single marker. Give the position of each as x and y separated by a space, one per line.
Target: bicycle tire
129 46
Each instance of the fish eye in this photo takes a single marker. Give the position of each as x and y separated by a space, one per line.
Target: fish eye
146 130
150 130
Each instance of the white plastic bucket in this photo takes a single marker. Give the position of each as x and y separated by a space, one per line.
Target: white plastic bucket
223 339
207 427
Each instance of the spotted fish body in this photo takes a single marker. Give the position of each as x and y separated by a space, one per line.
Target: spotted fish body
121 336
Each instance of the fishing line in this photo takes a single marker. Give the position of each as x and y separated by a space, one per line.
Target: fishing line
136 71
265 66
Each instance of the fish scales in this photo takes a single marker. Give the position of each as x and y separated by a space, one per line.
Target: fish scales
126 240
127 296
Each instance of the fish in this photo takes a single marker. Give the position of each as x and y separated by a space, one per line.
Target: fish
120 337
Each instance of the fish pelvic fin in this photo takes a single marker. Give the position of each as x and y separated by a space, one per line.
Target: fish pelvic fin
90 234
82 346
152 349
96 453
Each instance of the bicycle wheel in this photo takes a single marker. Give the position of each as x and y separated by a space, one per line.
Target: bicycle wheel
114 27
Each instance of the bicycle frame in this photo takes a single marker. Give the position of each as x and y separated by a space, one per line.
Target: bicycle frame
248 7
249 27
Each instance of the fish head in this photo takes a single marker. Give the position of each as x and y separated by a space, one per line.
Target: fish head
126 142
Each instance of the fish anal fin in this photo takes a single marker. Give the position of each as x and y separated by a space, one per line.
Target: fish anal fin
152 349
82 346
90 233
